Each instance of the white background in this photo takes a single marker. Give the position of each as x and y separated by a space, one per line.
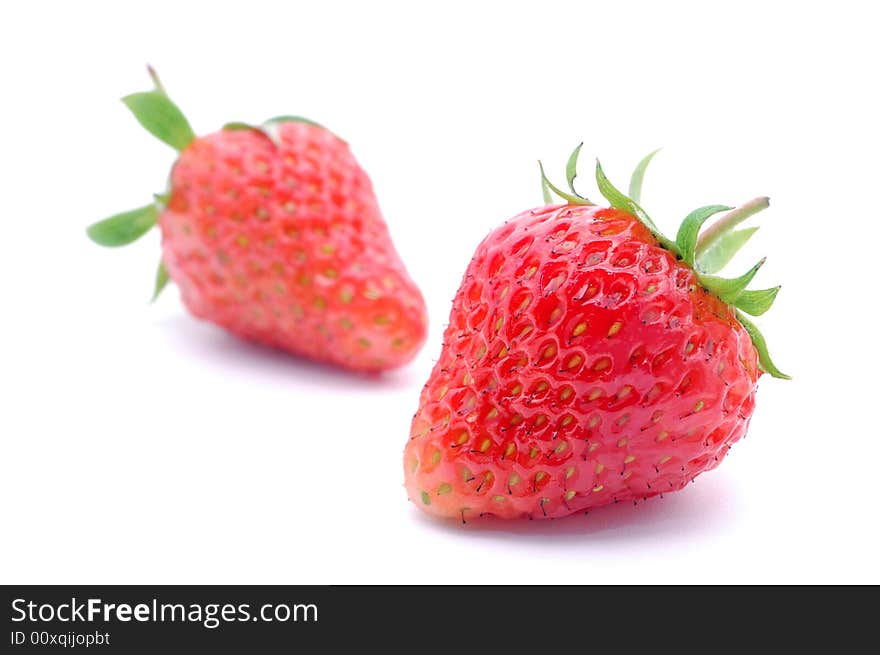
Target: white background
140 446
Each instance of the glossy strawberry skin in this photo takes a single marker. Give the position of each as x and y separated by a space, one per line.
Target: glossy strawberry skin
582 365
281 241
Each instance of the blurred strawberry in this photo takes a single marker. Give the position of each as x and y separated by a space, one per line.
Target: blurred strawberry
273 232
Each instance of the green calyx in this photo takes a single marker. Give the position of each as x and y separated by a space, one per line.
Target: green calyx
122 229
705 251
268 128
155 111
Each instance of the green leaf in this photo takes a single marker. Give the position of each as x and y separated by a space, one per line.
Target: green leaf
760 344
638 176
293 119
758 301
730 289
161 280
239 125
277 120
571 168
722 250
161 117
622 202
545 191
124 228
689 230
265 130
572 200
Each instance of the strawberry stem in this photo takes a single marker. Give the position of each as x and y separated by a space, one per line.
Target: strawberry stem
729 221
156 81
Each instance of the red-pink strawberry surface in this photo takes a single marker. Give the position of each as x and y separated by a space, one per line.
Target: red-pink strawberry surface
281 241
583 364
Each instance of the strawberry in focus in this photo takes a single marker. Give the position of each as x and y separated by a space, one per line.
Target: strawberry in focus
588 360
274 233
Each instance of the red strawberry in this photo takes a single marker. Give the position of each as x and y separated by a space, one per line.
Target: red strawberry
588 360
274 233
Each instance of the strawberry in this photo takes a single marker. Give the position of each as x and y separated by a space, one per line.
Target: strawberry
274 233
588 360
